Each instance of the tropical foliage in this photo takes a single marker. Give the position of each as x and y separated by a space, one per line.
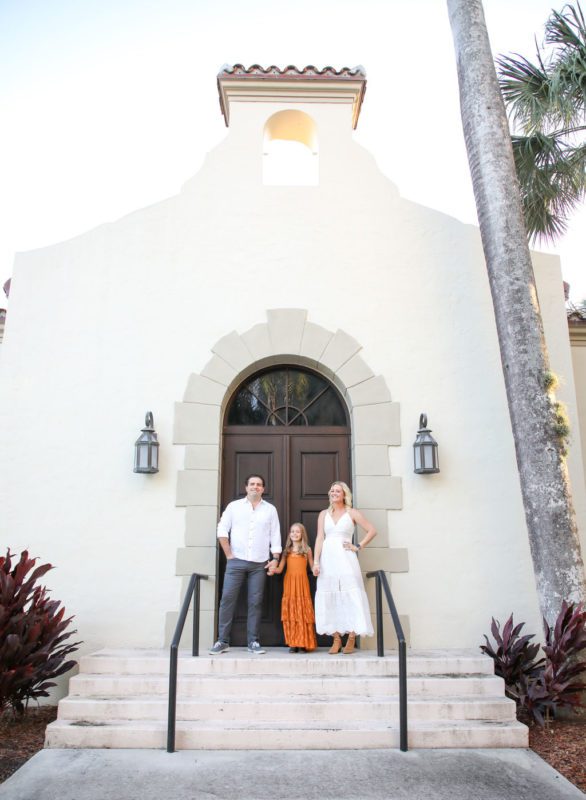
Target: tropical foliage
542 686
514 658
33 633
546 100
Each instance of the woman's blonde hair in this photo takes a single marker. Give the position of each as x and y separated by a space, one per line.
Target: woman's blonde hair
347 493
303 544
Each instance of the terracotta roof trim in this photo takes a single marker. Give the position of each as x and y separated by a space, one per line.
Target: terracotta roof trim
274 72
576 314
328 79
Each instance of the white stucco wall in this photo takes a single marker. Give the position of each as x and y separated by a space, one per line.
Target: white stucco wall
578 348
111 324
570 392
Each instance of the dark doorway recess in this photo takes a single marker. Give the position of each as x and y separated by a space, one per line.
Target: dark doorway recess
291 426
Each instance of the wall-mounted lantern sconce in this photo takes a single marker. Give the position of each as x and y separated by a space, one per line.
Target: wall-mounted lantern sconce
425 457
146 448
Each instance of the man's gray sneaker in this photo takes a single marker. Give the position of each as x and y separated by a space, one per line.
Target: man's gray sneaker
219 647
254 647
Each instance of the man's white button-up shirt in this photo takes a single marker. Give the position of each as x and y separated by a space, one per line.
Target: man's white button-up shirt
252 531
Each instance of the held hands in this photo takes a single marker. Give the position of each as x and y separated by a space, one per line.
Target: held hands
271 566
315 570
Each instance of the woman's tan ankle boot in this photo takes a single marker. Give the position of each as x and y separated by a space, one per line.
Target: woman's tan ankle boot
336 645
349 644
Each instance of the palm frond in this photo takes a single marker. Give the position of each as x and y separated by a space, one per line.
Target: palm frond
546 100
566 27
552 179
526 90
566 30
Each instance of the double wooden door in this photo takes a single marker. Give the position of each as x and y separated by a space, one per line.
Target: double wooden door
298 465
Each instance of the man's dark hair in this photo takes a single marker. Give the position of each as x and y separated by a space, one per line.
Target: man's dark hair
254 475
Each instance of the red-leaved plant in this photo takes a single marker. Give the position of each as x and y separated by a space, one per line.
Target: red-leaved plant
559 684
32 633
513 656
541 687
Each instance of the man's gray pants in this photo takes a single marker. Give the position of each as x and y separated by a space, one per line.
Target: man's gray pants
237 571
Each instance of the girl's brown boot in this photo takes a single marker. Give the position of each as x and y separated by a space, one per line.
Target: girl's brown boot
349 648
336 645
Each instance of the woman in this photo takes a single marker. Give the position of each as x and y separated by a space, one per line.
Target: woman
341 605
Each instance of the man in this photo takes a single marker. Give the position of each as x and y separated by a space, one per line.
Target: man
248 529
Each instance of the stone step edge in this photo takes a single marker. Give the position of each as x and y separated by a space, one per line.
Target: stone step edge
236 725
115 688
281 652
300 665
293 699
281 655
225 677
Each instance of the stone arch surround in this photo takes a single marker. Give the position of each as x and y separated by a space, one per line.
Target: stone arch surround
287 337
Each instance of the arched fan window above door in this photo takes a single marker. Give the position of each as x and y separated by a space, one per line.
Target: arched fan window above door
286 397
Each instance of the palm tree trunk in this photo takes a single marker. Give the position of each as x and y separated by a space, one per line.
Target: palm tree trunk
551 523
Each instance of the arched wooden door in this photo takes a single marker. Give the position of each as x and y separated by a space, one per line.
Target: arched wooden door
289 425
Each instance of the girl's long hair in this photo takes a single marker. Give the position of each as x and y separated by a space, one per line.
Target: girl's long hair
303 544
347 494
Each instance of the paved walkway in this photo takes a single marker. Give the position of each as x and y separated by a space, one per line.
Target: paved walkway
288 775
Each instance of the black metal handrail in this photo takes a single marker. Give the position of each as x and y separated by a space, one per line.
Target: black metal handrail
192 591
382 583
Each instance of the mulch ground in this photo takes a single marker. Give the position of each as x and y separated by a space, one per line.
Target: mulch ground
562 744
22 738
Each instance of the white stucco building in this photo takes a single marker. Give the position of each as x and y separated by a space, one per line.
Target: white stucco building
257 268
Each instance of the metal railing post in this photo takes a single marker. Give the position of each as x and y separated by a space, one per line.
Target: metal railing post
380 641
172 701
403 696
195 643
192 591
382 583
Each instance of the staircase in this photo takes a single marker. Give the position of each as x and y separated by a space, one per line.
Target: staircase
282 701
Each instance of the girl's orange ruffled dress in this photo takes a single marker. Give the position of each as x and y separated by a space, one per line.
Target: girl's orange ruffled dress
297 612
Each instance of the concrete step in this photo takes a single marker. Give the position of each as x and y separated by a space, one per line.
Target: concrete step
289 701
326 708
228 686
231 735
239 662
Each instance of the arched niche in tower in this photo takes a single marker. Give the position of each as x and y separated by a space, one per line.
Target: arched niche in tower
290 150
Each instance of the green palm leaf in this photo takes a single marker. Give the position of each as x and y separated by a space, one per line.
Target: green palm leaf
546 100
526 91
552 179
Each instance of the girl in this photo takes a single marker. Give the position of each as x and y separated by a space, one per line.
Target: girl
296 608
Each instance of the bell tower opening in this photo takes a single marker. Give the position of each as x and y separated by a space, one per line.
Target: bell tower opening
290 150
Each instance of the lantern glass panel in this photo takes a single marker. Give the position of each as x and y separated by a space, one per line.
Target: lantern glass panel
427 452
417 454
143 456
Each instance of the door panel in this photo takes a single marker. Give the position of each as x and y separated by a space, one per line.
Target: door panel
316 470
316 462
298 468
246 454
